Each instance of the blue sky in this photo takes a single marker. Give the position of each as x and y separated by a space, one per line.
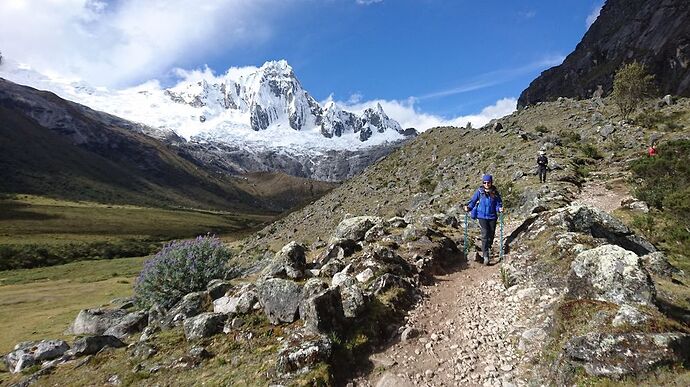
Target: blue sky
443 58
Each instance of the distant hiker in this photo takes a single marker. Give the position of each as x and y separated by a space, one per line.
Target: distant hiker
485 205
542 165
652 151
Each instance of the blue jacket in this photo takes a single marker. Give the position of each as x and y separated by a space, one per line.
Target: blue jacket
484 205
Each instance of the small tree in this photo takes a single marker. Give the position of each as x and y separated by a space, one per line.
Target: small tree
631 85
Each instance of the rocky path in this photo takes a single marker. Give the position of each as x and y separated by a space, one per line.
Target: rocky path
468 328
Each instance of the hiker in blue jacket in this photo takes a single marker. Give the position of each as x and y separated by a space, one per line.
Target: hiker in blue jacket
485 205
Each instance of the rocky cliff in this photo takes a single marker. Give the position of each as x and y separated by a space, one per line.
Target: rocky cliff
653 32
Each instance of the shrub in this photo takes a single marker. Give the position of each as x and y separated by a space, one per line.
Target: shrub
541 129
631 85
591 151
181 267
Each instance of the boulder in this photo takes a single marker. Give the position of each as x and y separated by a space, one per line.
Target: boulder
388 281
331 268
190 305
131 323
289 262
314 286
90 345
323 312
375 233
123 302
607 130
356 228
397 222
241 302
602 225
304 354
204 325
143 350
217 288
352 299
95 321
610 273
29 353
280 299
657 264
619 355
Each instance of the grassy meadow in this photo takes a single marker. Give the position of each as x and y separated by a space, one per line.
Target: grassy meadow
40 303
37 231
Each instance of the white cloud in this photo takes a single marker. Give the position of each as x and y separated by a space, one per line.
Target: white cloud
368 2
117 43
409 116
527 14
592 17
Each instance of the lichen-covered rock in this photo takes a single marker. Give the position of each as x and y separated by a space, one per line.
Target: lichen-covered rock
331 268
314 286
618 355
280 299
352 298
397 222
90 345
302 355
356 228
131 323
95 321
29 353
610 273
602 225
323 312
656 263
204 325
241 302
289 262
217 288
190 305
628 315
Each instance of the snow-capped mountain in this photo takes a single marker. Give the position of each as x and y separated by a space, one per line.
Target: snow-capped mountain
265 105
246 120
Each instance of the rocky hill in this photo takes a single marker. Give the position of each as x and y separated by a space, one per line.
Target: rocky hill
587 293
653 32
58 148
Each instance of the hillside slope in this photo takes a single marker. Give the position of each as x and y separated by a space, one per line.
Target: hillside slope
57 148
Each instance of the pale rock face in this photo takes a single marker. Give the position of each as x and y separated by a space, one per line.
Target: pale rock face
610 273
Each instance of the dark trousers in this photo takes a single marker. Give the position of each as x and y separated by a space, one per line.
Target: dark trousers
542 174
488 227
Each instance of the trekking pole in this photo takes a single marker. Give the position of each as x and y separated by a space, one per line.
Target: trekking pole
466 243
500 251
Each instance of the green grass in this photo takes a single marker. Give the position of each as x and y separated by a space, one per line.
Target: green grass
36 231
46 300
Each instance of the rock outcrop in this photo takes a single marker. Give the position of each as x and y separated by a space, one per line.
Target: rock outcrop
655 33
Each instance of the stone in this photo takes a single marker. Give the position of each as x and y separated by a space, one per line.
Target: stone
241 302
289 262
123 302
132 323
619 355
375 233
143 350
95 321
149 332
199 352
356 228
280 299
29 353
90 345
607 130
352 299
409 333
668 100
301 355
204 325
610 273
365 275
628 315
331 268
397 222
656 263
323 312
217 288
635 205
190 305
599 224
314 286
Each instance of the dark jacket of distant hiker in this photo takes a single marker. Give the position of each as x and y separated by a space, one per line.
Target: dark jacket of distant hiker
542 161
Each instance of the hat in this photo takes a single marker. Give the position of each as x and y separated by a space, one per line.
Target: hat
488 178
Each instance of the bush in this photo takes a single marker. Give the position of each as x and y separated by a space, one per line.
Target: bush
591 151
181 267
631 85
541 129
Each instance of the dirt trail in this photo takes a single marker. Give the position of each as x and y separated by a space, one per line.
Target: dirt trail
467 329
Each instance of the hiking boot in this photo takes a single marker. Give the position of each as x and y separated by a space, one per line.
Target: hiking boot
486 259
